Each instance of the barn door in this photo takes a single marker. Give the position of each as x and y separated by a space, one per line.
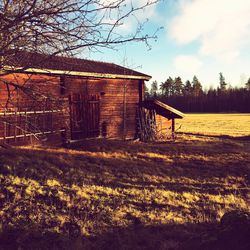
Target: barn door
84 116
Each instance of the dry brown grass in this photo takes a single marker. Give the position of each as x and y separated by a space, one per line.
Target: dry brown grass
120 195
234 125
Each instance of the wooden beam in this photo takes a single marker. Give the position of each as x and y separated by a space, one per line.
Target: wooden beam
167 107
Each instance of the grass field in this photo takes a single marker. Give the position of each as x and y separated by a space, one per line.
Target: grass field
105 194
235 125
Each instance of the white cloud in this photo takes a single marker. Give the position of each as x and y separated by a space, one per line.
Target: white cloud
187 64
221 26
141 11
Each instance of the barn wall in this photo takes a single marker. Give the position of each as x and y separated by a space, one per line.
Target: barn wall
7 94
118 98
38 83
19 112
164 126
118 102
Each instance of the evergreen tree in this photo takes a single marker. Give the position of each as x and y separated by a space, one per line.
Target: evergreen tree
154 89
223 84
194 99
178 86
146 91
196 87
188 88
166 87
248 84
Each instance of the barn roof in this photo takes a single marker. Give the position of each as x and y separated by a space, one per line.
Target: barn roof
41 63
163 109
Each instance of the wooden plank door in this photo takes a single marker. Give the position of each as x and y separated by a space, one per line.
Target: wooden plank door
84 116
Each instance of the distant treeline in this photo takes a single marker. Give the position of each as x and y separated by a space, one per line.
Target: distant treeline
190 96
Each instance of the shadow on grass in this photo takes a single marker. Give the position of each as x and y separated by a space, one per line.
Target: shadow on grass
137 236
195 173
238 138
124 165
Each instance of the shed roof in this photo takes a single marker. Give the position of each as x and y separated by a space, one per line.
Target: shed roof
163 109
41 63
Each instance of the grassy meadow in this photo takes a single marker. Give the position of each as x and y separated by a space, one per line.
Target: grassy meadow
122 195
231 125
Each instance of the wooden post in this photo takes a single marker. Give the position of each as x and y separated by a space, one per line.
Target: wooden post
124 110
66 115
43 116
173 128
5 127
25 123
141 91
15 132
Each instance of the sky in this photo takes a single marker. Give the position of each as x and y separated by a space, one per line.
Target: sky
198 37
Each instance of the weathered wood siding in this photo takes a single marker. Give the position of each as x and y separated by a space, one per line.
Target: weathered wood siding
22 116
118 98
164 126
38 83
118 102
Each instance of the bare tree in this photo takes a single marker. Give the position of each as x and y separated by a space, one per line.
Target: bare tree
65 26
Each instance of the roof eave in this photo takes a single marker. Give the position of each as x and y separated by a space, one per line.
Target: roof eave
177 113
163 109
75 73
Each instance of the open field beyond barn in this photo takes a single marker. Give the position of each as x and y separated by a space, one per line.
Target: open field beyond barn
232 125
123 195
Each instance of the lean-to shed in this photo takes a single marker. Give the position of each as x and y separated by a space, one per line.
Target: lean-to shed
163 117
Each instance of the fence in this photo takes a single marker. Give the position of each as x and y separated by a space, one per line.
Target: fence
19 126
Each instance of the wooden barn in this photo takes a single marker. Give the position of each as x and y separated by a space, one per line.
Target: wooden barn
43 96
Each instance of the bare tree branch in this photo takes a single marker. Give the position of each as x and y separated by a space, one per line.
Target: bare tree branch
62 26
